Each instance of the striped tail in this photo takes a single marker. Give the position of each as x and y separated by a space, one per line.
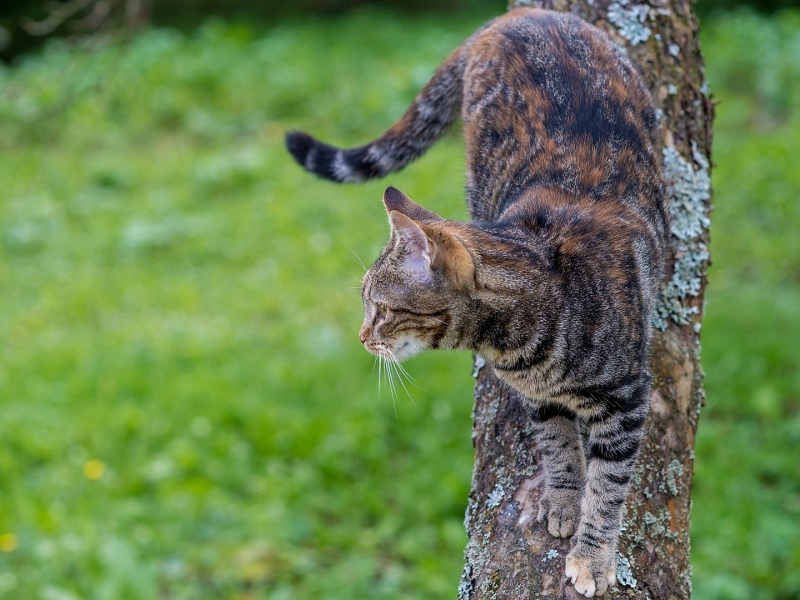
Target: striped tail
436 108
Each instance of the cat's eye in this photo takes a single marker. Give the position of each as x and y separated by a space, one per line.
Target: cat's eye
381 311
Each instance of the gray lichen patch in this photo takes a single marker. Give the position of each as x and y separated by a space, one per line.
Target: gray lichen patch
490 414
690 191
475 557
654 525
465 585
551 554
674 473
665 518
625 572
480 362
472 509
496 496
630 21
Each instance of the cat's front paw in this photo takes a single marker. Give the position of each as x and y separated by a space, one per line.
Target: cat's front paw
591 570
560 510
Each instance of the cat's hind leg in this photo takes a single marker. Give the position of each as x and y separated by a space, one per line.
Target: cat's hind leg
558 441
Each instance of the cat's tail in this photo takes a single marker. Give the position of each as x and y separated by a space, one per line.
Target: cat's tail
436 108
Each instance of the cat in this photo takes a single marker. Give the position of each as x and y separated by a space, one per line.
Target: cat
554 279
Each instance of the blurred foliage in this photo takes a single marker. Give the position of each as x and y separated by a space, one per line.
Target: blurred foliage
746 518
177 10
187 411
707 7
187 14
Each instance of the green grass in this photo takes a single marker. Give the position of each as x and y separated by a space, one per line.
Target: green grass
178 301
746 517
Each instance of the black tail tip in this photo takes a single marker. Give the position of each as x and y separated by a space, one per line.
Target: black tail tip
299 144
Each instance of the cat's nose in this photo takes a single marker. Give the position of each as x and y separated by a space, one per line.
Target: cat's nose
362 335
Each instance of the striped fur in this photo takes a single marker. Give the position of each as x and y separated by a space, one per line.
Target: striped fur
555 278
434 110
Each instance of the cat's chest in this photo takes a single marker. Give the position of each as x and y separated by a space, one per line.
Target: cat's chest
536 382
538 387
543 379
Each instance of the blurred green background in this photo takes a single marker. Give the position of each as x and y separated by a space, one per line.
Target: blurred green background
185 409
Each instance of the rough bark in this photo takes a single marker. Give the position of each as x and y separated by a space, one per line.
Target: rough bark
509 554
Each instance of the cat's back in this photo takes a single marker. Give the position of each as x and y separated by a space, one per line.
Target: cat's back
551 102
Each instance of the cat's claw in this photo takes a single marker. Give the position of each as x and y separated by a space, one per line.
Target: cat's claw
591 575
560 511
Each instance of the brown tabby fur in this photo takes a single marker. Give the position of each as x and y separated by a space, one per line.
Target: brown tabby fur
555 278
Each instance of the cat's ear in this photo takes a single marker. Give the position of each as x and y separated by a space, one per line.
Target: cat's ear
431 248
450 255
394 199
418 248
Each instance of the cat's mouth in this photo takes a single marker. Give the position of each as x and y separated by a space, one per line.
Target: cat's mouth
380 350
405 349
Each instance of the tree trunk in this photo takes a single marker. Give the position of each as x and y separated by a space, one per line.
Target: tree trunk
511 556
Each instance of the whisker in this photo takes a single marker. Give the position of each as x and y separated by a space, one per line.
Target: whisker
391 388
356 277
412 381
400 378
390 378
394 358
402 369
358 258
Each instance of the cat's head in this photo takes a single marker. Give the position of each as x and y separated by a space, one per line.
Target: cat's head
417 291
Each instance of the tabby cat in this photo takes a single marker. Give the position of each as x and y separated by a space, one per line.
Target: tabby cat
554 279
